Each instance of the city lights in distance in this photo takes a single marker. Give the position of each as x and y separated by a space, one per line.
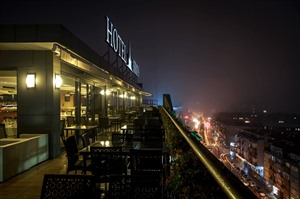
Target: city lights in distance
196 123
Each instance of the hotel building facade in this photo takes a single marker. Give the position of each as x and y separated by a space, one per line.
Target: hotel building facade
67 79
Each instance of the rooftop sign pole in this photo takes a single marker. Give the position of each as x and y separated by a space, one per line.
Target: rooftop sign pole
117 44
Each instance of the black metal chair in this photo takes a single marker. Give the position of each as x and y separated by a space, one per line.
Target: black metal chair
146 187
106 161
85 139
146 162
84 120
134 187
122 139
152 139
71 121
63 186
2 131
119 187
62 130
104 124
74 163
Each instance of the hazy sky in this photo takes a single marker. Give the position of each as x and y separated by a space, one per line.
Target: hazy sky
209 55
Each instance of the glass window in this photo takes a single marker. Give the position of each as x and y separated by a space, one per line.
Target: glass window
8 101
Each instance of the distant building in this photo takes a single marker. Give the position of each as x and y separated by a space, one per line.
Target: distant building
250 147
282 165
229 124
268 144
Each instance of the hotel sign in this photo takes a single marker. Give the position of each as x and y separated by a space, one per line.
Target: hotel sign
117 44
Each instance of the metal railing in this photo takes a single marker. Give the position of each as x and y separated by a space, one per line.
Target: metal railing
228 182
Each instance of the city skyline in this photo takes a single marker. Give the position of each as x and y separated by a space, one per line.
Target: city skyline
210 56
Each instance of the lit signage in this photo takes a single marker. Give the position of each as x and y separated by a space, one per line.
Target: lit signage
118 45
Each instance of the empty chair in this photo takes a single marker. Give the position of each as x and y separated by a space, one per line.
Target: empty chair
104 124
122 139
134 187
84 120
71 121
2 131
106 161
74 163
154 121
62 186
85 139
146 162
149 187
119 187
62 130
152 139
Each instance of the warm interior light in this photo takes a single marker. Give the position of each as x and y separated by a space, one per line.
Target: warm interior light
58 81
107 92
30 80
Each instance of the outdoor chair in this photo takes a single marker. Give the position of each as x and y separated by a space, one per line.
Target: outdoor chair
104 124
74 163
152 139
121 139
83 120
63 186
134 187
2 131
85 139
106 161
119 187
71 121
62 130
146 162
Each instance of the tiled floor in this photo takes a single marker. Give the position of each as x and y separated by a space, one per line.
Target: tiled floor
29 183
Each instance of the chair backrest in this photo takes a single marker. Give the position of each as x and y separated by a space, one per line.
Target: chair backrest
84 120
85 139
71 149
134 187
133 129
119 187
66 186
146 187
146 162
152 137
106 160
104 122
2 131
62 130
122 138
154 121
70 121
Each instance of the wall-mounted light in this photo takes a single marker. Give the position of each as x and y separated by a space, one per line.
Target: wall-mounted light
123 95
57 81
107 92
30 80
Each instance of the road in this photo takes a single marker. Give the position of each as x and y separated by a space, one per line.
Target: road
217 146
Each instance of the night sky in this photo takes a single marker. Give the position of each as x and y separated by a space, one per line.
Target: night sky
209 55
